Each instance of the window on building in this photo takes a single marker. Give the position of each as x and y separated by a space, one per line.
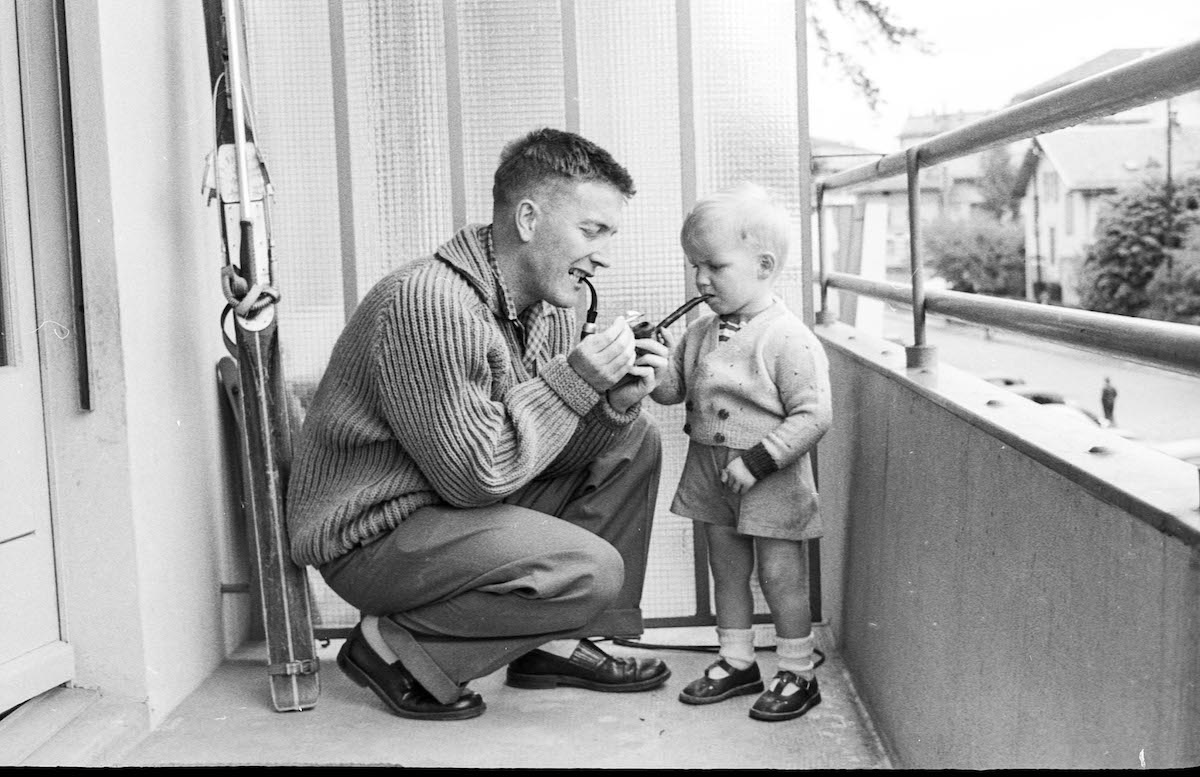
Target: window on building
1069 214
897 213
1050 185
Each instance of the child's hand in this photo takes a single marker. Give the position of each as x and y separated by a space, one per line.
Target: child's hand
662 347
666 338
737 477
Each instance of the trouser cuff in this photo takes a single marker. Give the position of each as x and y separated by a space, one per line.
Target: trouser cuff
418 662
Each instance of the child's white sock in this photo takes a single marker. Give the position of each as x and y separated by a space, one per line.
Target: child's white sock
795 655
737 648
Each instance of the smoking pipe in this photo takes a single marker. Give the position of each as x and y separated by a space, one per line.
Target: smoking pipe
589 325
645 330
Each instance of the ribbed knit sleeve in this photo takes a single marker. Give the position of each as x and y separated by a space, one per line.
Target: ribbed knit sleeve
801 373
441 364
672 388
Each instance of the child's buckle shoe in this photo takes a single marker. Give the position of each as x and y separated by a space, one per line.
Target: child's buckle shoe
777 704
736 682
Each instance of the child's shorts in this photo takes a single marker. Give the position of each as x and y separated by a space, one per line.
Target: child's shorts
783 505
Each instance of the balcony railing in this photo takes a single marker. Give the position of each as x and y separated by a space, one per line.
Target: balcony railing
1167 74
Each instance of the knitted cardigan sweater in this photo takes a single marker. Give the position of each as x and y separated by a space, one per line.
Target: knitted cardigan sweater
425 400
765 390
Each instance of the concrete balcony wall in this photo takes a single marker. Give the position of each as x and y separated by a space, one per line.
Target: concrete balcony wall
1015 591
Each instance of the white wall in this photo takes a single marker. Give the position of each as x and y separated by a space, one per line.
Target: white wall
1008 598
142 595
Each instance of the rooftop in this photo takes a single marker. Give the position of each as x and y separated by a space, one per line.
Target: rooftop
1103 157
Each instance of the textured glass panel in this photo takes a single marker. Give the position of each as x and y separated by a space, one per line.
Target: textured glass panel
629 104
511 75
357 187
747 126
399 132
288 46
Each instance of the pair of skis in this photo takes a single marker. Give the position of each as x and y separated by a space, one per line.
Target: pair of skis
236 176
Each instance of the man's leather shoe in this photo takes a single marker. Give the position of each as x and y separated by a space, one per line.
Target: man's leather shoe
776 704
736 682
588 667
397 687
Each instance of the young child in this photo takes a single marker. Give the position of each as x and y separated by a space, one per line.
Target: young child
755 382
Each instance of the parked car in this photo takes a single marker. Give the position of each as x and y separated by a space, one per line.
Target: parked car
1005 380
1055 400
1045 396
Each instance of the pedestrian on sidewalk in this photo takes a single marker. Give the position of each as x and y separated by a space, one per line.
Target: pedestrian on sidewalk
1108 400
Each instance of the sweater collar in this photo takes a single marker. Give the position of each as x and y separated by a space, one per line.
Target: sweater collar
471 253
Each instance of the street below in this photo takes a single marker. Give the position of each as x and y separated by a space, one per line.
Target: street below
1153 405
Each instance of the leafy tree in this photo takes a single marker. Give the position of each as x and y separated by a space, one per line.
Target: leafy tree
1174 290
996 184
978 254
1134 238
867 21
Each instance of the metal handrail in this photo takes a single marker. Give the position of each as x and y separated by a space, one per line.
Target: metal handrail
1157 77
1157 343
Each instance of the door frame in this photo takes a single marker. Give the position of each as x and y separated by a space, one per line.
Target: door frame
52 663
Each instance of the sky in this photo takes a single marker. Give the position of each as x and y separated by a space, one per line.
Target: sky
985 51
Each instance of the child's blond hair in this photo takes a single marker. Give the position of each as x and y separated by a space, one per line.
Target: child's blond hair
752 215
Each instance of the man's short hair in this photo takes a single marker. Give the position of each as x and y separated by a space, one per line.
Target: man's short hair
751 214
550 156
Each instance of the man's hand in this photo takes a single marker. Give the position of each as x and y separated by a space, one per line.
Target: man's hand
603 358
641 378
737 477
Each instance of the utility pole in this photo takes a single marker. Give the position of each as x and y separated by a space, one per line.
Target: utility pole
1170 188
1170 127
1039 285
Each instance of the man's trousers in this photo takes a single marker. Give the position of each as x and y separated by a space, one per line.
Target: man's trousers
462 592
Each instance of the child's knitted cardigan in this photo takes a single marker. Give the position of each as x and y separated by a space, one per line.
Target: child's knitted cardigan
765 390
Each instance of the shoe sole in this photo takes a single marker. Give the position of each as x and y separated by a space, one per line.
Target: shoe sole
773 717
540 681
360 677
741 690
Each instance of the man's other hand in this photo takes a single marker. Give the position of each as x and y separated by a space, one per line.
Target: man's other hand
603 358
641 378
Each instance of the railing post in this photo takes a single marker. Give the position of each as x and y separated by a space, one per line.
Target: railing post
918 354
824 314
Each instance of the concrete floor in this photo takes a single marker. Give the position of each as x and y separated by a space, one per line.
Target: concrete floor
229 720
